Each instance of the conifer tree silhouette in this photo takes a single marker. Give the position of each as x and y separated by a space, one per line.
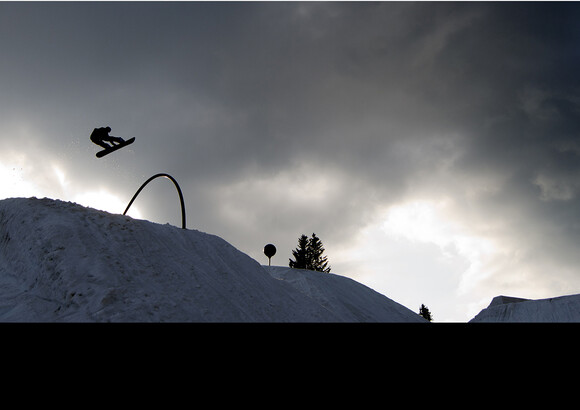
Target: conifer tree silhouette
300 254
315 250
425 313
308 255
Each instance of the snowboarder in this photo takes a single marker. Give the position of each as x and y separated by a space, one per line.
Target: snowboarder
100 135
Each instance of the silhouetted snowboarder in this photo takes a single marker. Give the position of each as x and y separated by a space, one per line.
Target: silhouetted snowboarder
100 135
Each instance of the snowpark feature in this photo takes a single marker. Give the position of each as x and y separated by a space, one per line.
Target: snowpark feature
62 262
510 309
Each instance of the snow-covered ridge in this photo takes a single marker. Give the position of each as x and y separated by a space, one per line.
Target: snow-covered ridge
509 309
62 262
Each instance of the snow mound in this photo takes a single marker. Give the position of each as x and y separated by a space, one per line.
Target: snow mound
62 262
502 300
509 309
350 300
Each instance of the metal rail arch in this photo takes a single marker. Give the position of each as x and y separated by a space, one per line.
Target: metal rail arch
178 191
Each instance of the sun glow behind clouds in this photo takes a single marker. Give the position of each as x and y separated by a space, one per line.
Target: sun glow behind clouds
425 251
14 181
105 201
433 222
419 221
21 178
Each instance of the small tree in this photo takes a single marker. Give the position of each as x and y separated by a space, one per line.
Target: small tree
308 255
424 311
300 254
317 261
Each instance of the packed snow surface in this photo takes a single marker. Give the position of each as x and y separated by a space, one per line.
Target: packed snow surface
350 300
62 262
510 309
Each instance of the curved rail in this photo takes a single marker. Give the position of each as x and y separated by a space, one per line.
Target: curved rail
178 191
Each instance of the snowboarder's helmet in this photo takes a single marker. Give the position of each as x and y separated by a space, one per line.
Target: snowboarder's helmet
108 129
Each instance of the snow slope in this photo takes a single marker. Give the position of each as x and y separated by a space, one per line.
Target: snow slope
350 300
62 262
508 309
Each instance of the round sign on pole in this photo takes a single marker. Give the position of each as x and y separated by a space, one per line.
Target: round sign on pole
269 251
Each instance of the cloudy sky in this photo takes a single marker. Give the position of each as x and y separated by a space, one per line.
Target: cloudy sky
433 147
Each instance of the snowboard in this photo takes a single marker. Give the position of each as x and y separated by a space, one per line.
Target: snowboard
115 147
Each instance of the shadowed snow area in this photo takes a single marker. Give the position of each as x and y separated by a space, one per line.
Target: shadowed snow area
62 262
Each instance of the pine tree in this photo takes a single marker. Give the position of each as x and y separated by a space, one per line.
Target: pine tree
424 311
300 254
308 255
315 251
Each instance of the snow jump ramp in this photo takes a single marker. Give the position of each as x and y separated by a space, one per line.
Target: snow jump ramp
62 262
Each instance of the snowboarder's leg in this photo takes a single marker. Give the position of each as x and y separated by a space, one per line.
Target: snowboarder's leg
114 140
99 141
102 144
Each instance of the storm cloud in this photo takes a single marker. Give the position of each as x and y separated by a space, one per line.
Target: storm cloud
279 119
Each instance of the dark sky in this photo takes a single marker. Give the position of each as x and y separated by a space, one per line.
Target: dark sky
433 147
